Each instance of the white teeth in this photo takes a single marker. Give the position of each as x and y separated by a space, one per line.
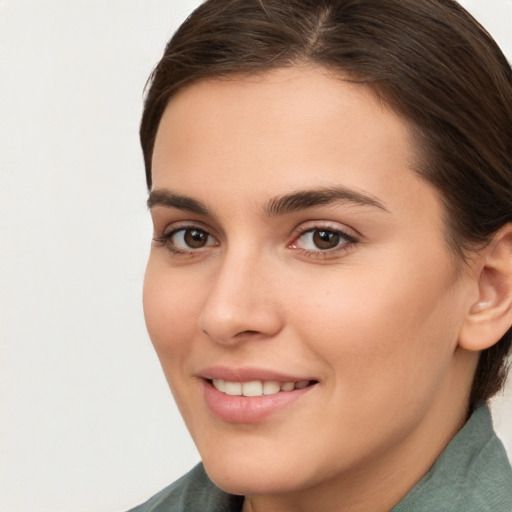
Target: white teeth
219 384
257 387
271 387
233 388
253 388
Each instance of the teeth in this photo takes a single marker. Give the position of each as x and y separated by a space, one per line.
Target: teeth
219 384
254 388
233 388
271 387
287 386
257 387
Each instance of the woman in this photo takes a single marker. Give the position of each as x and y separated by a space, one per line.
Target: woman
329 287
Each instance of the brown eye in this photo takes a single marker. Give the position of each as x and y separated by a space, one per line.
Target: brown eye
186 239
195 238
325 239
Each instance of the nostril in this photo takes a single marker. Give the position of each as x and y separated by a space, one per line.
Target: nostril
232 325
246 333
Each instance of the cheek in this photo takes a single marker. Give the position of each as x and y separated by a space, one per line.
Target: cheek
170 310
389 330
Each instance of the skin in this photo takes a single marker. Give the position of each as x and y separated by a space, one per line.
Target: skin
376 322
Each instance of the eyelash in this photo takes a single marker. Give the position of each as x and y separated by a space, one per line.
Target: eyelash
165 240
348 243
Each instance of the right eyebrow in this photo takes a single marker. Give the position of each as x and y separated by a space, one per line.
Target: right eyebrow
167 199
306 199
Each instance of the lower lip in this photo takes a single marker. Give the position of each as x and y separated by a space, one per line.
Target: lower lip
242 409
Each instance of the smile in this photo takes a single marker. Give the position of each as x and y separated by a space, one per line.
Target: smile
252 400
257 387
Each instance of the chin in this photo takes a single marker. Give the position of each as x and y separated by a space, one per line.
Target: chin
245 481
261 470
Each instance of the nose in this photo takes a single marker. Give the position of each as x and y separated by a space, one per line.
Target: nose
242 302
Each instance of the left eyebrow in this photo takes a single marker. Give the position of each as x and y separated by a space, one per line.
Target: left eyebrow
167 199
304 199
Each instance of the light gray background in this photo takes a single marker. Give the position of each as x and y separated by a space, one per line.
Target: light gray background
87 422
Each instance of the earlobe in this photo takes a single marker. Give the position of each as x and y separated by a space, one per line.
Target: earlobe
490 316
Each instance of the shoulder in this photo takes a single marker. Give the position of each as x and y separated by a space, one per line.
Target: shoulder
473 474
194 492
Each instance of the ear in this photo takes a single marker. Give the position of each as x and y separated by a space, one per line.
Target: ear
490 316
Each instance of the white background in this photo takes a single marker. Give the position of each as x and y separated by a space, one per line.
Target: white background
87 422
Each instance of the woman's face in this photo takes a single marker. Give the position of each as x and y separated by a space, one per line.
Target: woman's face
295 248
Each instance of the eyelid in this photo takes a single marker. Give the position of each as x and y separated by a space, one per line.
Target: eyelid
308 227
348 232
170 227
170 230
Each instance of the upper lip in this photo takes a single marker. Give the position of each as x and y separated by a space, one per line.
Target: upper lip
248 373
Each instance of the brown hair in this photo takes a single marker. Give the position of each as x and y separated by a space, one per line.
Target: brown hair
429 60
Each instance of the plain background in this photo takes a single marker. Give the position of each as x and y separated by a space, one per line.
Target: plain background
87 422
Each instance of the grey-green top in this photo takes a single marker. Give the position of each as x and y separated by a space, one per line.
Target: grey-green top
473 474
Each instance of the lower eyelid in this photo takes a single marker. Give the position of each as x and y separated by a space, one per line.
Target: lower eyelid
330 254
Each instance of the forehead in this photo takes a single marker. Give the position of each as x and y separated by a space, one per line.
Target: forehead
289 102
271 133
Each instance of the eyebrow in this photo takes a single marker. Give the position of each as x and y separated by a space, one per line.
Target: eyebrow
304 199
161 197
282 205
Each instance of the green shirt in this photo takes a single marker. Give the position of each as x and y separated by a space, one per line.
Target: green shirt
473 474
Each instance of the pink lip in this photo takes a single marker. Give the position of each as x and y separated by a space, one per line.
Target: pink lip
240 409
248 373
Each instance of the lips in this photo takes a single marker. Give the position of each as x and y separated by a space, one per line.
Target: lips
251 395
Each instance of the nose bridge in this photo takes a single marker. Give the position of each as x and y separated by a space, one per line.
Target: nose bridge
240 299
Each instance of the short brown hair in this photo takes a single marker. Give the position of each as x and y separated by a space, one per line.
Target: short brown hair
429 60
